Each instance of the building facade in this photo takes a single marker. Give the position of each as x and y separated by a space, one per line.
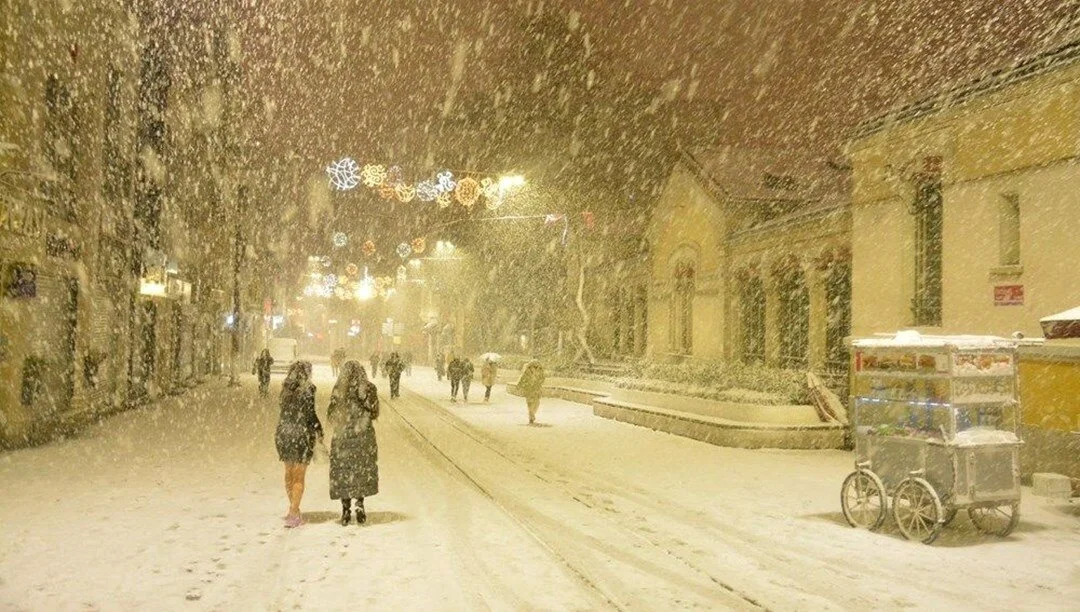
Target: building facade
750 260
965 205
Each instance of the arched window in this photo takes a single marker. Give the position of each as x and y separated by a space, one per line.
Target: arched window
752 320
794 319
683 309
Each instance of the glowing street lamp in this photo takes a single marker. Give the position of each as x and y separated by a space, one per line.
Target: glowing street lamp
506 183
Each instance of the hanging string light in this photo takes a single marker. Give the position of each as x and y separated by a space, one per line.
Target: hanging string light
467 192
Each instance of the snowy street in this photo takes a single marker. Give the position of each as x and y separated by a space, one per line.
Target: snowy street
178 506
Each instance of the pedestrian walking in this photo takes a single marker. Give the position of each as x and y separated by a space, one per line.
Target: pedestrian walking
408 363
466 378
376 358
488 370
354 451
454 372
261 367
530 384
393 367
440 366
336 359
297 433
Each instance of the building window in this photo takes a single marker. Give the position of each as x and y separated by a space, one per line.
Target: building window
752 320
683 309
1009 230
838 313
927 210
794 320
60 146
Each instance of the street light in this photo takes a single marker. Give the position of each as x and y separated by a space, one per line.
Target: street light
506 183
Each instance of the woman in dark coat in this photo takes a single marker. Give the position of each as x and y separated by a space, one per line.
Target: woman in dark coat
297 432
354 452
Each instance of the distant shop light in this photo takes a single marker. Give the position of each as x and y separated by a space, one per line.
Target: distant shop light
152 288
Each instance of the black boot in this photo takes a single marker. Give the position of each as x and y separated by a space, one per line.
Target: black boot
346 511
361 516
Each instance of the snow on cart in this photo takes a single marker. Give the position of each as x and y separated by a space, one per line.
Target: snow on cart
935 426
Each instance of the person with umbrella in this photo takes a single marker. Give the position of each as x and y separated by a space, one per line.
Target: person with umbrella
488 371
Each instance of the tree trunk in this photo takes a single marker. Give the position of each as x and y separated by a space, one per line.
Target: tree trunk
583 328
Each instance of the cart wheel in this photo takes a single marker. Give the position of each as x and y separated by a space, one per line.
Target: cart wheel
996 520
917 510
862 497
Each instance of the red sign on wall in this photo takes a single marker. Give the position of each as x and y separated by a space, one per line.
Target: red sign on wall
1008 295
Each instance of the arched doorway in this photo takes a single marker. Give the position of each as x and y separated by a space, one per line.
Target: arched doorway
794 318
683 309
752 320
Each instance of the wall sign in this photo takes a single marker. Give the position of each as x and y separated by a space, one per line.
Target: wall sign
1008 295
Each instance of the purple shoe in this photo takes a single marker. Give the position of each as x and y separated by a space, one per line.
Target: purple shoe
294 520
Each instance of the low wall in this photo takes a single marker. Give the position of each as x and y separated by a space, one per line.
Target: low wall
721 423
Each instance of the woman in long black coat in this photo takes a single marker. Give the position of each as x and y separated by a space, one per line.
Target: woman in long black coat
297 432
354 452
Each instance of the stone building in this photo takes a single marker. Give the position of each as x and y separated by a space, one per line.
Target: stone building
965 205
107 294
749 252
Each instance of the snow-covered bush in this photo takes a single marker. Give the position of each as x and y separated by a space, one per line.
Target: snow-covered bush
731 381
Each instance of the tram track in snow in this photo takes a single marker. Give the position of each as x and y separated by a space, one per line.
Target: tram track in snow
725 594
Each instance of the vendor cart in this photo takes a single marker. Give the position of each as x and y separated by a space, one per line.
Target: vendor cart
935 428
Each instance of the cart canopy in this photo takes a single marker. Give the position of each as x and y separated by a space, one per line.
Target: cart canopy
1062 325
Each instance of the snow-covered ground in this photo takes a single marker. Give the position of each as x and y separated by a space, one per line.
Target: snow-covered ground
179 506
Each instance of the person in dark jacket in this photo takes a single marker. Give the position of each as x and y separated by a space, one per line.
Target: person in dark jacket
354 452
297 432
393 367
440 365
466 378
454 371
376 359
407 358
262 368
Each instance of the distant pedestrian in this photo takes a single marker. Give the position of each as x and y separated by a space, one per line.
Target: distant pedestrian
466 378
354 451
376 358
408 363
336 359
487 376
261 367
454 371
530 385
440 366
393 367
297 433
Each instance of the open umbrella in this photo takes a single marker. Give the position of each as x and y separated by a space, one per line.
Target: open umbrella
1062 325
490 357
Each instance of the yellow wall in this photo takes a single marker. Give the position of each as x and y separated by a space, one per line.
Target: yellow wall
1022 139
1050 394
687 222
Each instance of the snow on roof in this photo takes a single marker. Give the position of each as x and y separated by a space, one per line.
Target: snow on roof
912 339
1072 314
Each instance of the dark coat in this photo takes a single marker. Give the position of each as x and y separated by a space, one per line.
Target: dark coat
394 366
456 369
354 451
466 370
262 366
298 425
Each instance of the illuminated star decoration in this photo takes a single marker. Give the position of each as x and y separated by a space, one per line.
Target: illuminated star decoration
404 250
344 174
340 239
418 245
368 248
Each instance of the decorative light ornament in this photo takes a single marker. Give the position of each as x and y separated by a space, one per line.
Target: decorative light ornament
325 261
494 201
340 239
394 175
427 191
402 275
404 250
386 192
489 188
368 248
445 181
344 174
331 280
467 192
444 199
418 245
373 175
405 192
352 270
